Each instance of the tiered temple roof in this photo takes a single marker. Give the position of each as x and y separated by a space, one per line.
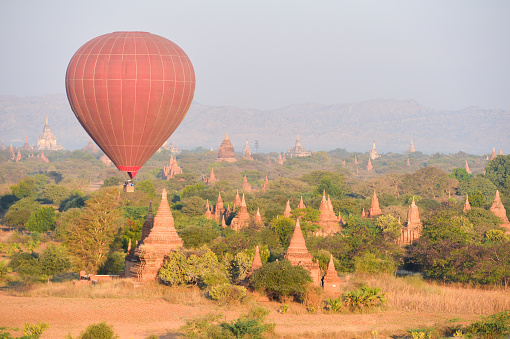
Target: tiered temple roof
258 217
104 158
373 152
499 210
331 281
91 147
265 185
467 168
172 169
301 204
242 217
411 147
151 250
287 211
226 151
219 208
374 210
247 152
298 150
493 155
369 165
26 145
246 184
257 262
297 254
279 160
467 206
212 178
328 221
412 230
47 140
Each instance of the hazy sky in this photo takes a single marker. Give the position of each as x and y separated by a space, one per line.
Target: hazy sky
266 54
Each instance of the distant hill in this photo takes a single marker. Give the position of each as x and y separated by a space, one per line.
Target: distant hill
391 123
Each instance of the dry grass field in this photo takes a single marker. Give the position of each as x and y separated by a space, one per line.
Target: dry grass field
137 312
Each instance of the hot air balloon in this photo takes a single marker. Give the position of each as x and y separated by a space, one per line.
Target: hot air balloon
130 91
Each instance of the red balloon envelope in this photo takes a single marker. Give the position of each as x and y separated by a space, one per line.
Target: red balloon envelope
130 91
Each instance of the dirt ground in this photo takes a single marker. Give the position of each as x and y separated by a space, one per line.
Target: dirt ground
136 318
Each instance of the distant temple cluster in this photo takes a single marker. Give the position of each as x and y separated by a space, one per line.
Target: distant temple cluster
298 150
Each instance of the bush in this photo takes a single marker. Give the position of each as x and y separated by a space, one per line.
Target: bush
99 331
227 294
114 263
369 263
364 298
280 279
42 220
493 326
19 212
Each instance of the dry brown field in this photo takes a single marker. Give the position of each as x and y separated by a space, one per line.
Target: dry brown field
137 312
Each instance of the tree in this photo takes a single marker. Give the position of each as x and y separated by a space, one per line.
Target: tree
460 174
19 212
90 237
111 181
148 187
55 193
389 224
498 172
476 199
481 184
279 279
54 260
193 206
41 220
29 186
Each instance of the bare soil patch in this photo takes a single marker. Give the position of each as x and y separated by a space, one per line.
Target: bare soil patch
138 318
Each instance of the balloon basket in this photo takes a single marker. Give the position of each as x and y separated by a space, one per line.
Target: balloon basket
129 186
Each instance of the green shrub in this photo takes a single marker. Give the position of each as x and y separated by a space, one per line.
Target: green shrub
227 294
34 331
41 220
241 328
280 279
99 331
334 304
364 298
369 263
493 326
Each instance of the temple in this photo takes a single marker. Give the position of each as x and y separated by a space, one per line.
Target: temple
297 254
156 243
226 151
258 217
26 145
331 281
467 206
373 152
241 218
328 221
172 169
169 147
47 140
499 210
493 155
105 160
287 211
247 152
246 185
411 147
467 168
412 230
212 178
91 147
2 146
265 185
298 150
369 165
257 262
301 204
374 210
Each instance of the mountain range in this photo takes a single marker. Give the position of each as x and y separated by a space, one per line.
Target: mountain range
390 123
